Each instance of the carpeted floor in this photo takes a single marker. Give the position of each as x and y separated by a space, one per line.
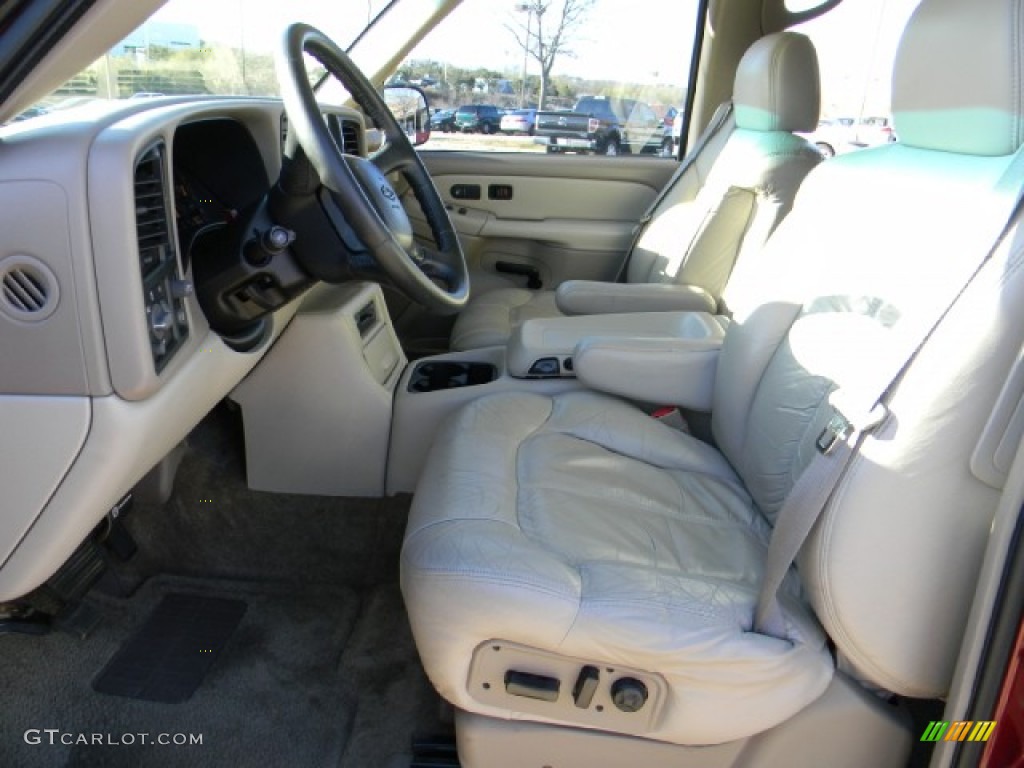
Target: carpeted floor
321 671
394 699
214 526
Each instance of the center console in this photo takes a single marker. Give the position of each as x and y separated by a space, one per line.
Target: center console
432 389
317 409
334 408
660 355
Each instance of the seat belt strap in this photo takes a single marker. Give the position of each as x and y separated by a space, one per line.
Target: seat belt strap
858 412
718 121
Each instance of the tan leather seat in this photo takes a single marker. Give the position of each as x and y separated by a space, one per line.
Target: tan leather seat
577 528
726 203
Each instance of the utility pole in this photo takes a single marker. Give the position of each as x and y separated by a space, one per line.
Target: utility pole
520 7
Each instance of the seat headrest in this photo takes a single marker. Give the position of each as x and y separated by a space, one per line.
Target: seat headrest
958 81
777 86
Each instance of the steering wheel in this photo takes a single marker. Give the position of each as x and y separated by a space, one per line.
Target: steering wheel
436 278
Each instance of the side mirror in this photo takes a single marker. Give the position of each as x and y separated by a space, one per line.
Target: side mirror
409 106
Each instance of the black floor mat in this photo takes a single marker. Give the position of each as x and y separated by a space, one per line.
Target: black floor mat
276 695
167 659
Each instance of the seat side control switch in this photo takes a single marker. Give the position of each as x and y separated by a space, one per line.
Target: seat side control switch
586 686
629 694
530 686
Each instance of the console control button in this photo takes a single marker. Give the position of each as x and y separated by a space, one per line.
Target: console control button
546 366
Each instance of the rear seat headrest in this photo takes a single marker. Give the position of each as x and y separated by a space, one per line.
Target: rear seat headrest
958 81
777 86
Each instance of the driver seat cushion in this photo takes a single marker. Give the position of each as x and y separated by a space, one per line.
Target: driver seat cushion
720 209
488 320
516 534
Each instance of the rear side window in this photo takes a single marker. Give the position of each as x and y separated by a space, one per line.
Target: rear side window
856 45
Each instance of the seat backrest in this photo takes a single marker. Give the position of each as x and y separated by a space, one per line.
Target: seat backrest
743 181
891 565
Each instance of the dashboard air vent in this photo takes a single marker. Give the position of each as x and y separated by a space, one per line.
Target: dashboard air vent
163 290
344 132
151 211
23 290
28 290
350 137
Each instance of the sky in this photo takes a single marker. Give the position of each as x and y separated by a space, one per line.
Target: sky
262 21
856 32
475 34
472 36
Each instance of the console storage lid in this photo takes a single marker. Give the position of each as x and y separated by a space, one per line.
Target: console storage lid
590 297
667 371
543 347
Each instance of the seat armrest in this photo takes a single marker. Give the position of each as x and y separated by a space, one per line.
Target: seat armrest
590 297
542 347
652 370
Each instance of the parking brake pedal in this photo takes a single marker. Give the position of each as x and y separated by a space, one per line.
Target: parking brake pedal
116 536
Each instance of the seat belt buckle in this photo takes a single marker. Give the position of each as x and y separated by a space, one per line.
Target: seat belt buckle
837 429
840 427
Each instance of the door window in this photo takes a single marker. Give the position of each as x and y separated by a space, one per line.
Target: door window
565 57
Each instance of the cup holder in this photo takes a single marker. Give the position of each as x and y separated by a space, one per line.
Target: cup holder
432 376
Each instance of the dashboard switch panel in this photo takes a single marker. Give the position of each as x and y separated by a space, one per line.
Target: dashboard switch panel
366 319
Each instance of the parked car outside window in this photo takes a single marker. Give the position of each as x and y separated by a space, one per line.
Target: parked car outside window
477 118
443 120
519 121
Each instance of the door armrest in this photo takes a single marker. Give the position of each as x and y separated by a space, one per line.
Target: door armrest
590 297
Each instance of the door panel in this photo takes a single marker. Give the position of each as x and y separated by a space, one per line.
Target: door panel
569 217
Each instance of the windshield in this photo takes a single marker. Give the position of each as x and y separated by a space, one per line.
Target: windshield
206 47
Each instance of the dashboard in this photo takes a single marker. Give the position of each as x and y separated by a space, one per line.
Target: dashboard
110 359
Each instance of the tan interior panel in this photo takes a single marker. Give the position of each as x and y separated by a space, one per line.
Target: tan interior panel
38 444
541 198
568 217
846 727
329 435
644 170
38 329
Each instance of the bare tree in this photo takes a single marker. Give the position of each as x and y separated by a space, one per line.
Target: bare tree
548 33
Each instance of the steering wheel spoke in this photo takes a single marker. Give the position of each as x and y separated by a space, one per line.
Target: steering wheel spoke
369 213
434 265
390 159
